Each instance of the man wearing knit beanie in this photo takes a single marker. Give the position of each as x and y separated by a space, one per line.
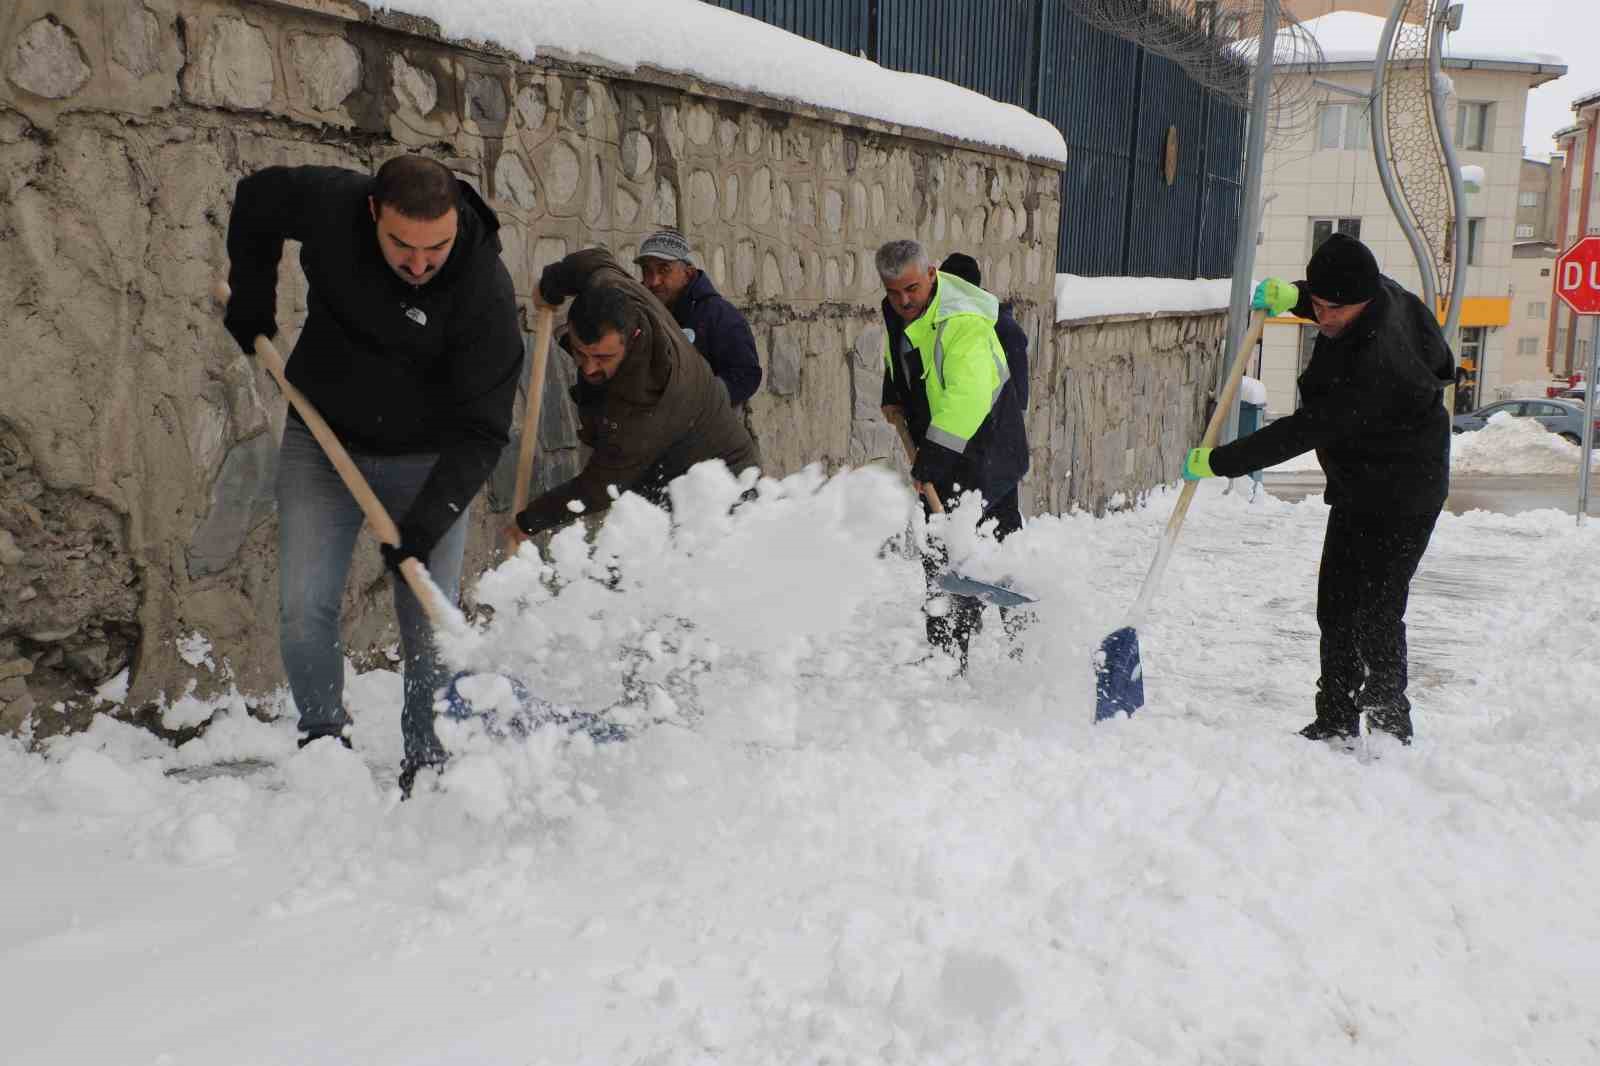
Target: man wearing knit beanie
1372 407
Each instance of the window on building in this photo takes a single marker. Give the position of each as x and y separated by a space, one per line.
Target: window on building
1472 126
1323 228
1343 126
1528 346
1561 339
1524 230
1545 273
1528 199
1538 309
1474 241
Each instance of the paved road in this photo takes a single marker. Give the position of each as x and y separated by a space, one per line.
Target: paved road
1472 492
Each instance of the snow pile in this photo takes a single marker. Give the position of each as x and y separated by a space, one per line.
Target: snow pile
1511 445
837 852
1082 297
705 41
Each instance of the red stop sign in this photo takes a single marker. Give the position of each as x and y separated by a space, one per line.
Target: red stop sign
1578 276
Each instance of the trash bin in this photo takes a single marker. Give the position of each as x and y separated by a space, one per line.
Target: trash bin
1250 421
1252 410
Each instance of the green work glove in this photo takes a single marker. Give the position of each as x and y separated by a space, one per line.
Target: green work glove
1197 464
1275 296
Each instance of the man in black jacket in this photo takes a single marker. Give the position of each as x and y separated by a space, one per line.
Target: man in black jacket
1372 408
411 351
714 326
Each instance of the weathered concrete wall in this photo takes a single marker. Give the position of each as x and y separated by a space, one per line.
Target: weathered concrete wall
1119 401
137 446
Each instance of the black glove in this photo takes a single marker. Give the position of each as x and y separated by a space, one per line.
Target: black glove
557 282
248 319
529 523
935 463
410 547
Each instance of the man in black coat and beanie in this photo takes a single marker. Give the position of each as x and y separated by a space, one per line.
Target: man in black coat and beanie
1371 405
411 350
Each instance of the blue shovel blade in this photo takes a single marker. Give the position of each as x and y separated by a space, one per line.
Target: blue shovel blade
998 595
1118 675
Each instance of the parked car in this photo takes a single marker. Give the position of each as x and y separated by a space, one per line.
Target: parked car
1558 416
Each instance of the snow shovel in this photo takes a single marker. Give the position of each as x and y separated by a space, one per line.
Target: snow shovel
530 418
948 580
467 690
1119 675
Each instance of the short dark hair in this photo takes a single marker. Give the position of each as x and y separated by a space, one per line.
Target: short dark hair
962 266
600 309
415 186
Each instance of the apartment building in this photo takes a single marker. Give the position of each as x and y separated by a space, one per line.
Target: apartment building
1522 370
1577 215
1322 180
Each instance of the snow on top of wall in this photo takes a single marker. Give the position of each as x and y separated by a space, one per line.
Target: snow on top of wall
697 39
1081 297
1354 36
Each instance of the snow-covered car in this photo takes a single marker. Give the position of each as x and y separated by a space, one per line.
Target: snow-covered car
1558 416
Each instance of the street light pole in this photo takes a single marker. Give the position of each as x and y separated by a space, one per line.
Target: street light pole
1250 206
1588 420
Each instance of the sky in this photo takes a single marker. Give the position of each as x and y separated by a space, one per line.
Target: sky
1567 28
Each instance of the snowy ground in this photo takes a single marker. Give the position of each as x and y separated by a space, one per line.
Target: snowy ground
831 854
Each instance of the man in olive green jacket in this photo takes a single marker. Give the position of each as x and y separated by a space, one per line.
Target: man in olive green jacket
648 403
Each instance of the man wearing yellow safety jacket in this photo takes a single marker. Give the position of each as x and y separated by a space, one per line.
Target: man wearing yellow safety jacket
945 374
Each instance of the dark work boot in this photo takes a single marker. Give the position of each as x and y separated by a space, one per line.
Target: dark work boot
409 769
318 734
1327 729
1337 717
1396 721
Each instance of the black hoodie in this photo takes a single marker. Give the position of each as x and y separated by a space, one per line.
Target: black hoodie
1371 406
394 368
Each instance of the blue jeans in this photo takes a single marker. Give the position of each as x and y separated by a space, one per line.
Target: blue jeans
318 521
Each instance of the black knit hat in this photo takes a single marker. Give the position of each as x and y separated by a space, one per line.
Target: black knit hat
1343 271
962 266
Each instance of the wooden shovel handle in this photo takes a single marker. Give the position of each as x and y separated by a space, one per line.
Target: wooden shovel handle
928 491
1219 417
534 400
383 527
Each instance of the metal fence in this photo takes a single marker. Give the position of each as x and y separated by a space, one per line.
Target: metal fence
1123 111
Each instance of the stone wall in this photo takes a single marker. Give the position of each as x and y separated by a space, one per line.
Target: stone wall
1118 401
137 445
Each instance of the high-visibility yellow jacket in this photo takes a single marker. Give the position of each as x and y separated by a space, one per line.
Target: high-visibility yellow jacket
965 417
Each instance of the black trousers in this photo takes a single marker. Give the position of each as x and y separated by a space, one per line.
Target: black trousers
953 630
1368 561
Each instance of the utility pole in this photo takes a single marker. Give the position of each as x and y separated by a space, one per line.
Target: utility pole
1250 208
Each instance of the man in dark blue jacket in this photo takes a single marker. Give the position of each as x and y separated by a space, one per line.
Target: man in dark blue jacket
411 351
713 325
